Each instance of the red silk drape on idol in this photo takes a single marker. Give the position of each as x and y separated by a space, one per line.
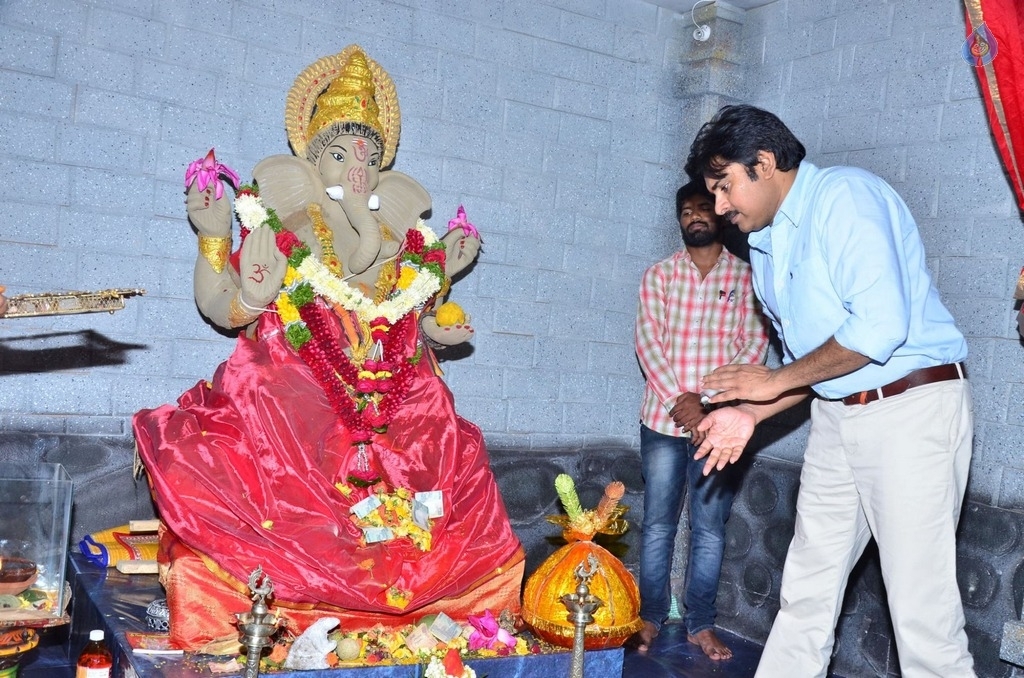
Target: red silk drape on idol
243 472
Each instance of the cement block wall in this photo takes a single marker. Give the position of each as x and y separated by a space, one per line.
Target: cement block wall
561 125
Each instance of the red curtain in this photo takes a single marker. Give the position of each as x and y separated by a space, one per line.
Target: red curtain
996 47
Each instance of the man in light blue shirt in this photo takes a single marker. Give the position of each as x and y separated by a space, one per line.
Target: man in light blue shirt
840 270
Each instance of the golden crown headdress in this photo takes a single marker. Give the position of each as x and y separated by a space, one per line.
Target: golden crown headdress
344 87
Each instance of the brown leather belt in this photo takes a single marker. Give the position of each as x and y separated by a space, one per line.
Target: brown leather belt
926 375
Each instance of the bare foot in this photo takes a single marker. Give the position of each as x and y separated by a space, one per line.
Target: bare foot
642 639
712 645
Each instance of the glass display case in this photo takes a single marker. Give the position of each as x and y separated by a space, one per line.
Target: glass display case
35 518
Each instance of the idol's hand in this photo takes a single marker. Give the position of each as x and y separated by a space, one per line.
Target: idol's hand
461 249
754 383
446 336
261 269
209 214
726 432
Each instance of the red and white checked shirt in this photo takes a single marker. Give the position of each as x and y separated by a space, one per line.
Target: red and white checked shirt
686 327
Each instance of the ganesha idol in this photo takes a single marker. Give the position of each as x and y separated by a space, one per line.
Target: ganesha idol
327 449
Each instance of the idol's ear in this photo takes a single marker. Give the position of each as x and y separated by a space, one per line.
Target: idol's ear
288 184
402 201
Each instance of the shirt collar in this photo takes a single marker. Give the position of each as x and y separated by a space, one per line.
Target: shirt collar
685 254
794 204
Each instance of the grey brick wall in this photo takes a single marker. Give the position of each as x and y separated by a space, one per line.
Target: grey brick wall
561 125
882 85
556 124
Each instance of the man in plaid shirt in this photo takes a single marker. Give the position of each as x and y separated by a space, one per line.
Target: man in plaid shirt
697 312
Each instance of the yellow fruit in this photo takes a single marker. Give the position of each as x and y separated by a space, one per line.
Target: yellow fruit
450 313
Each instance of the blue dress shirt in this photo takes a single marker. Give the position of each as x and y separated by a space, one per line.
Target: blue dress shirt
843 258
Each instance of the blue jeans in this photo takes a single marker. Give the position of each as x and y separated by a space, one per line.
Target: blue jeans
666 462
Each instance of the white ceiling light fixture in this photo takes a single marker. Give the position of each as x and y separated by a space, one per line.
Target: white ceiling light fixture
702 32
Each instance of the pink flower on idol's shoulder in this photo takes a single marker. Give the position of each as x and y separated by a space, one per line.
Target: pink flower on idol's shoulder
460 220
206 171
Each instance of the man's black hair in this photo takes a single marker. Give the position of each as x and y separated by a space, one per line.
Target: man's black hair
736 134
695 187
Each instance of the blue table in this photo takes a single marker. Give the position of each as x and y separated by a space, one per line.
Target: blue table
115 602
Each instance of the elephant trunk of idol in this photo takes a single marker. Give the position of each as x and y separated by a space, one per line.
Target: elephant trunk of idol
361 217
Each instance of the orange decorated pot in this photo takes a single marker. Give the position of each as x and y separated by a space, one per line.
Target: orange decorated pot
614 621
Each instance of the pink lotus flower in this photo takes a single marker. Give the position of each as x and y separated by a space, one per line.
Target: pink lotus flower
487 633
460 220
206 171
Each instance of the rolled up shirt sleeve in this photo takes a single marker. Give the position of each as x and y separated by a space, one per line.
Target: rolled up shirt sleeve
863 248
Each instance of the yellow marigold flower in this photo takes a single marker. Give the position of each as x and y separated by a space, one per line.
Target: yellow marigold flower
344 489
289 313
449 313
397 598
290 276
406 277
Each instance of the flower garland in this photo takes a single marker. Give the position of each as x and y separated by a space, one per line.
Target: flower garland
364 392
395 514
382 646
422 263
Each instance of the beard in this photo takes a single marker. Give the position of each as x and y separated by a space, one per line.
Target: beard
701 238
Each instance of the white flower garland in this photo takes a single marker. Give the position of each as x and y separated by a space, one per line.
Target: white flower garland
252 215
337 291
435 669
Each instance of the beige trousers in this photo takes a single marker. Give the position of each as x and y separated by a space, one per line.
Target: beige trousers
895 470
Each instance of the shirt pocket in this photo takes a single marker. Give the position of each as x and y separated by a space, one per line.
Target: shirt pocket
722 315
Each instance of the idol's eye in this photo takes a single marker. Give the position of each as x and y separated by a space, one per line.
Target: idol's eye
373 161
337 156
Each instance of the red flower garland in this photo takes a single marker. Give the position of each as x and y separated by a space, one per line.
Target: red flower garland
349 395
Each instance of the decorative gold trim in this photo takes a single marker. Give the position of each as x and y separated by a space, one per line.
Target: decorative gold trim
976 19
592 631
325 236
215 250
237 315
301 100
